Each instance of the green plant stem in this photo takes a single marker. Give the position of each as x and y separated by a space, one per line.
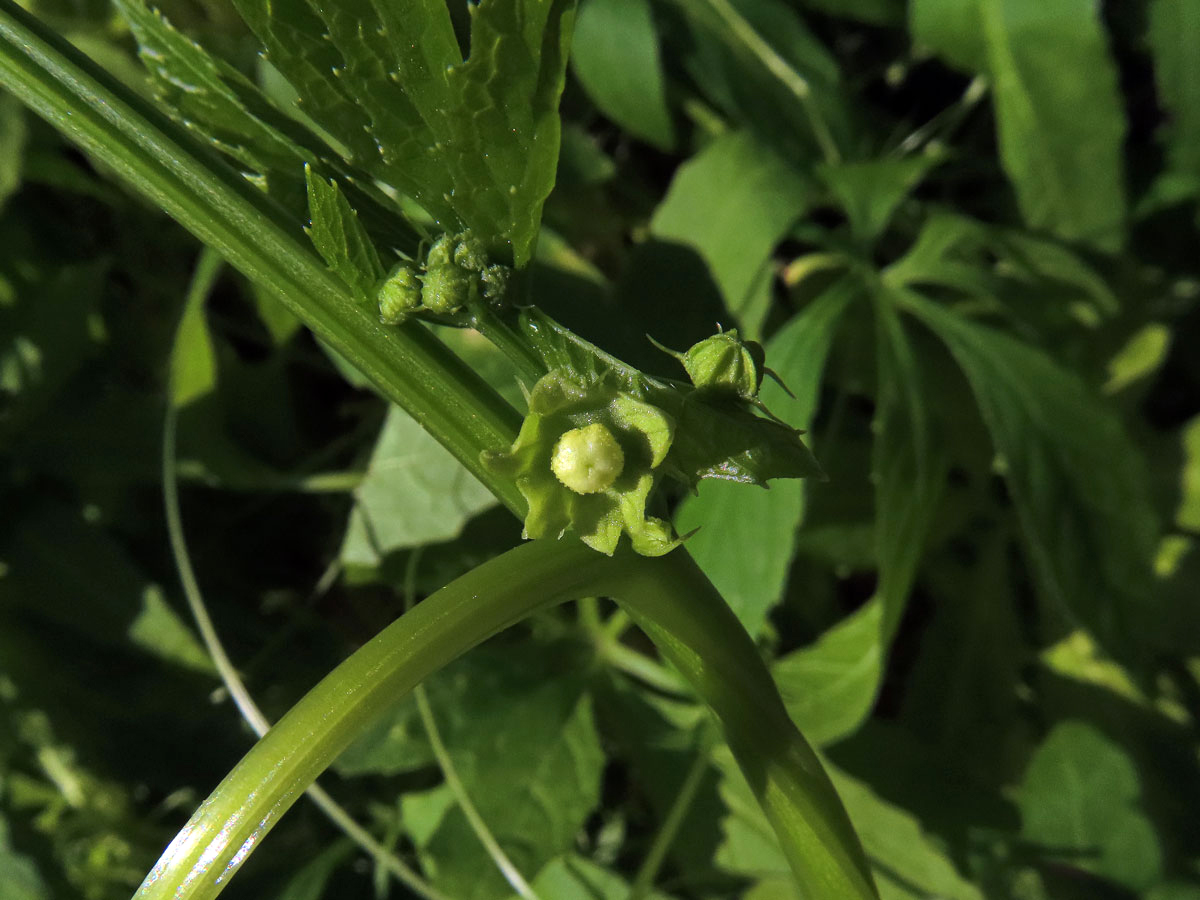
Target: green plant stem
205 275
450 772
407 363
643 882
780 68
668 597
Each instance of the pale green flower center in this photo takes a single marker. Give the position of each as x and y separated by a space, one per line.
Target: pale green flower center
587 460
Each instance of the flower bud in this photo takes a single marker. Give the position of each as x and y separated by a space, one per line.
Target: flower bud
399 294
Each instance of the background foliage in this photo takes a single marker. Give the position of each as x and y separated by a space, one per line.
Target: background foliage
966 233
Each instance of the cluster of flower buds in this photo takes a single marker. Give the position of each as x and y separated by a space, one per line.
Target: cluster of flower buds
456 270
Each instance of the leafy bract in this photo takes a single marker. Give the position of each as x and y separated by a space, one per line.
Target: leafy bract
211 97
474 141
746 538
1076 480
340 238
712 439
1079 805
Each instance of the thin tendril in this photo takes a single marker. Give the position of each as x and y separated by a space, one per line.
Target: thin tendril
205 275
501 860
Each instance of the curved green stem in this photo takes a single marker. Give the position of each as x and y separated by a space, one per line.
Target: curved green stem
407 363
668 597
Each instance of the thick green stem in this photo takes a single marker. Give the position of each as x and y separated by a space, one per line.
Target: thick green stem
669 597
408 364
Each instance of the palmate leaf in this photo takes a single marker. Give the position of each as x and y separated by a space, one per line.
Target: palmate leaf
474 141
1075 478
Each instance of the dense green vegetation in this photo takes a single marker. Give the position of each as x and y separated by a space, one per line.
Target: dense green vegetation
965 233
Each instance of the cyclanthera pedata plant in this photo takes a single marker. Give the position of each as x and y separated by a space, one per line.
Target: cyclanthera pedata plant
833 358
392 109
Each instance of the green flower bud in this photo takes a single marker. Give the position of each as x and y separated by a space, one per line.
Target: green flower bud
442 252
725 364
445 289
587 457
470 253
494 284
587 460
399 294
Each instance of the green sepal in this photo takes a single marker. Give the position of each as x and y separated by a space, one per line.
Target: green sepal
714 435
400 294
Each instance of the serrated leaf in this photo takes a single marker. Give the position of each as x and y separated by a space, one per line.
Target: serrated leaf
1175 44
1079 804
736 228
475 142
203 91
413 493
340 238
616 57
1076 479
747 537
907 863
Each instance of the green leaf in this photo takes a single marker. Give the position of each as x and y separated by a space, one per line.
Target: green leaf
907 863
1175 44
193 357
1059 116
830 686
616 57
736 228
1079 802
577 878
161 632
950 28
413 493
870 192
1076 479
207 94
310 880
1058 110
908 468
522 739
340 238
747 537
12 145
18 873
475 142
